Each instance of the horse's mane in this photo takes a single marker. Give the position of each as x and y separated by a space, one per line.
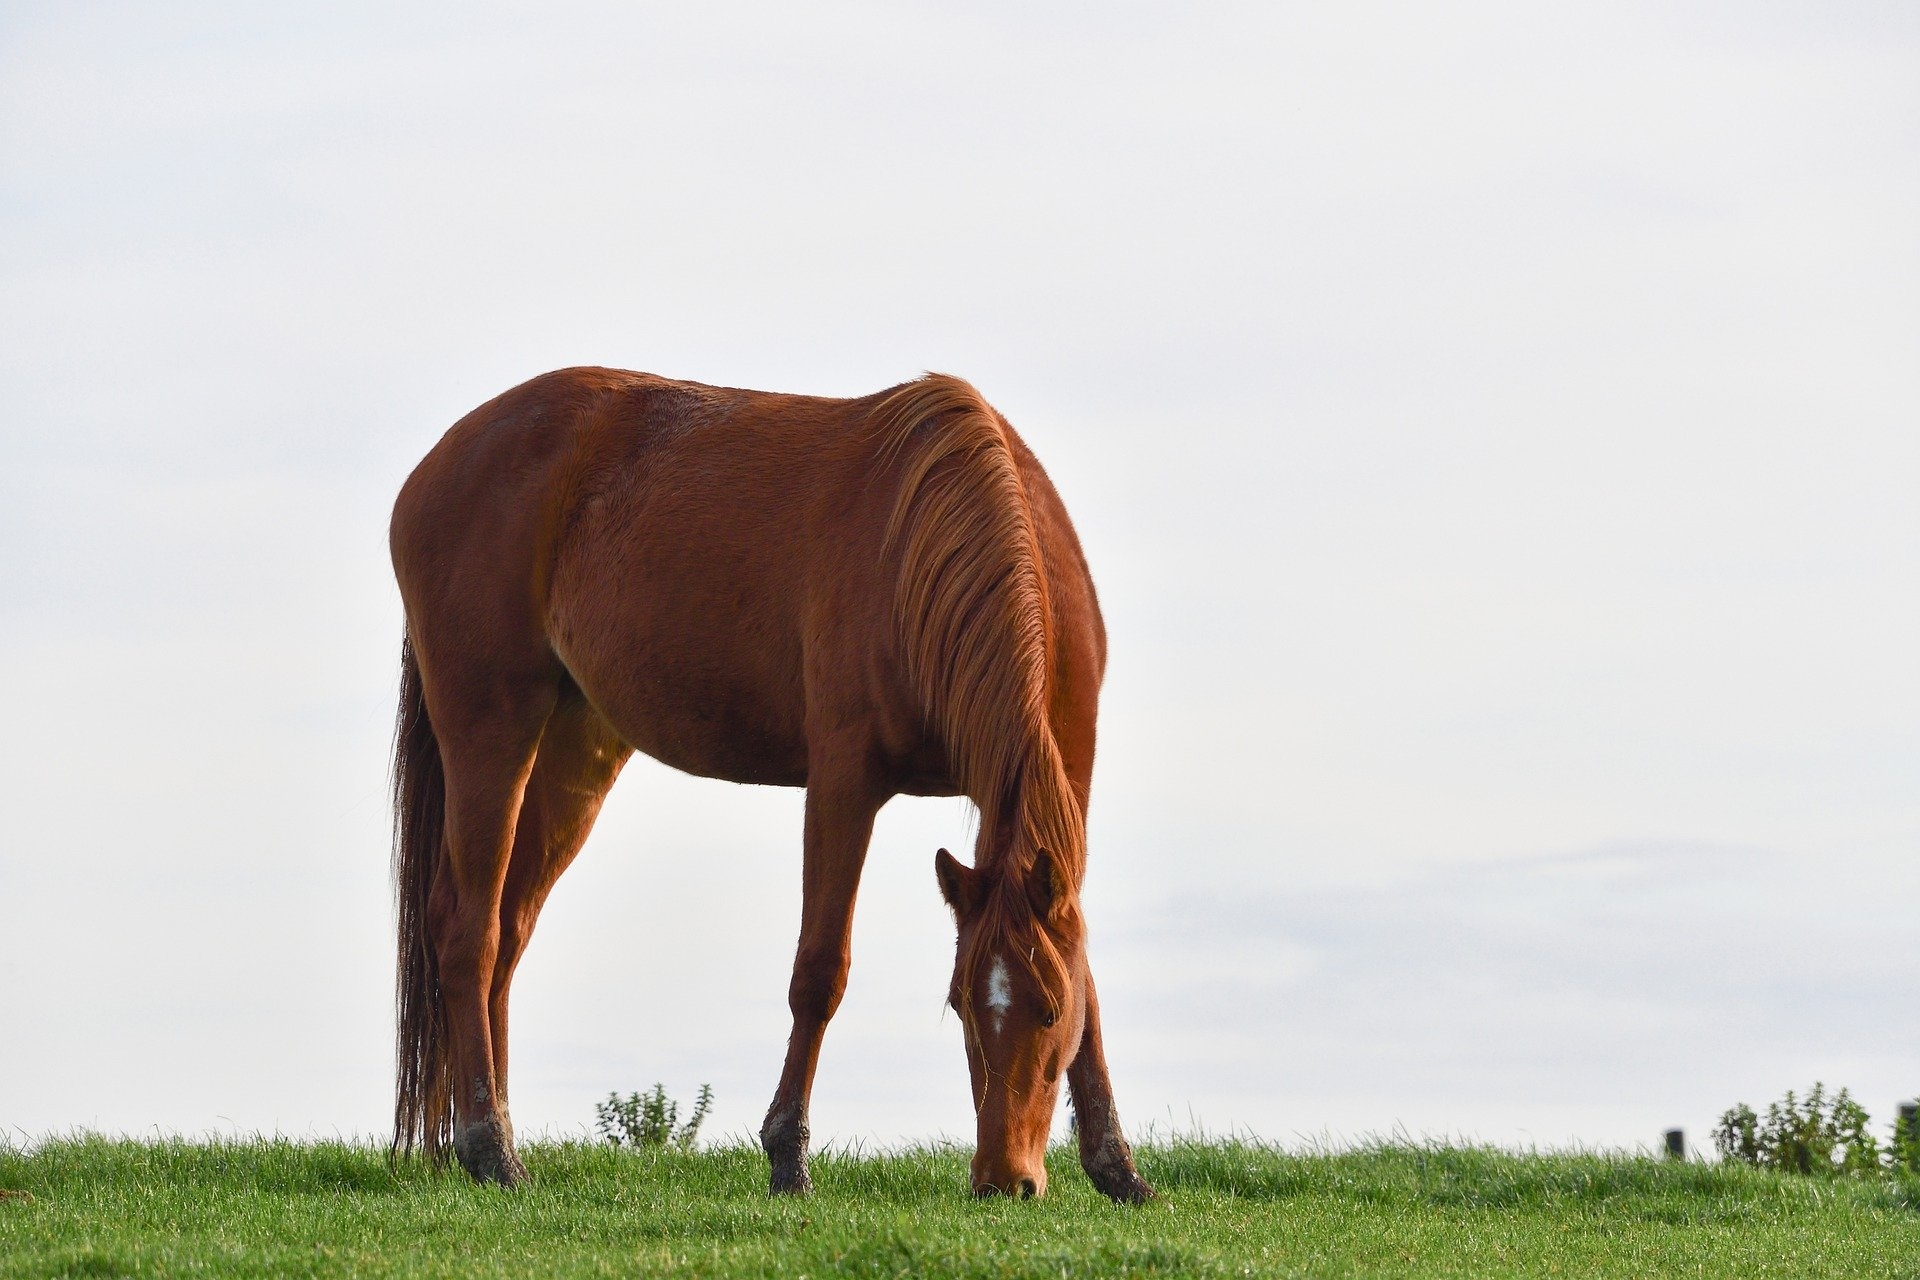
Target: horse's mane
971 605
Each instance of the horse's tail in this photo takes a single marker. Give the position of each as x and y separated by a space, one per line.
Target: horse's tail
971 604
423 1086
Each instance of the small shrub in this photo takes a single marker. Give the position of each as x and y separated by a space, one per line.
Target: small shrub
1737 1137
1903 1153
1816 1134
650 1119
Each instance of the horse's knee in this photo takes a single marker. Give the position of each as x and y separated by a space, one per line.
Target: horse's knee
819 980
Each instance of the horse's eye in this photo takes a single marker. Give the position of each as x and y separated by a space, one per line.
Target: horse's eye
1050 1019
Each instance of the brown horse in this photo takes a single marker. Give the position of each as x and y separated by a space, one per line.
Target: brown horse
864 598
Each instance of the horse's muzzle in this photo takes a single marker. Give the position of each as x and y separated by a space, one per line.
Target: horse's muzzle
1019 1188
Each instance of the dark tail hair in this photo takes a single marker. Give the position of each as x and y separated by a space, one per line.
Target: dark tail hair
423 1086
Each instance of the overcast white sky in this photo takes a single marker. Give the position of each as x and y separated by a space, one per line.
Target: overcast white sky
1493 430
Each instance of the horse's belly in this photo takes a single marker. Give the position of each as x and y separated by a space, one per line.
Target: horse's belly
693 692
714 741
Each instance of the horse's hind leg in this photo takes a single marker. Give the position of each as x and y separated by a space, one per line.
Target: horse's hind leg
579 757
487 744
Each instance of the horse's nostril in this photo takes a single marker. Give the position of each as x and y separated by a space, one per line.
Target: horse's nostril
1025 1189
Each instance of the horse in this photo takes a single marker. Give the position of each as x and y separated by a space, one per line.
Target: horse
862 597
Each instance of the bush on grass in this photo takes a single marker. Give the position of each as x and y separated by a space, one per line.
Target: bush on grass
651 1119
1817 1134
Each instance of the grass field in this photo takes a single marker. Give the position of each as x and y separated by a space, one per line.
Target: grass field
96 1207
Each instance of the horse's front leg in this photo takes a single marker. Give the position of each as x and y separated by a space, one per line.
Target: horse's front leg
1104 1152
841 804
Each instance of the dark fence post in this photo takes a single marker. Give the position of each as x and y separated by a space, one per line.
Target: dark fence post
1676 1144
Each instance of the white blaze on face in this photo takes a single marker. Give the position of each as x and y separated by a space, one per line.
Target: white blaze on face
999 993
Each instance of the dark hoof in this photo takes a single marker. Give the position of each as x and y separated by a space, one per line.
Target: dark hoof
1121 1184
791 1180
784 1138
486 1153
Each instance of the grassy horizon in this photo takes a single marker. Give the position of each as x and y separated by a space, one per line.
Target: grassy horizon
247 1207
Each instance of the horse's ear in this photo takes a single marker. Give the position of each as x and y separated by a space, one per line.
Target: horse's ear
1046 884
959 884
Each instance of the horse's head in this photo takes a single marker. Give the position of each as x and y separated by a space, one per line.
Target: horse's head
1020 988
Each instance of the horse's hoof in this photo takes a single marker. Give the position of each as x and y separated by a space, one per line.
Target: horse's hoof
1121 1184
784 1138
791 1180
487 1154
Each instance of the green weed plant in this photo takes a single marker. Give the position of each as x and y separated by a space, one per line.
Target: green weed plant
651 1119
1817 1134
1903 1153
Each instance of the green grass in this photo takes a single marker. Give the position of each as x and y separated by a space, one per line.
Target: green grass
270 1207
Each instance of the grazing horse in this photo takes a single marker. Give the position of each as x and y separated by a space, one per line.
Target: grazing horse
865 598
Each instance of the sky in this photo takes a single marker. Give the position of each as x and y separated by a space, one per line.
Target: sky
1492 430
